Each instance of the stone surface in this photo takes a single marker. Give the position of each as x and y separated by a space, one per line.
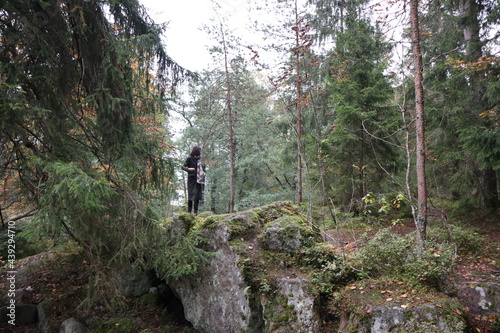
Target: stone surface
427 318
480 297
43 309
287 234
134 282
71 325
219 299
216 300
302 303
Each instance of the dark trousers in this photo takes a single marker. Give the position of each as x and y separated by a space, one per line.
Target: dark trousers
193 204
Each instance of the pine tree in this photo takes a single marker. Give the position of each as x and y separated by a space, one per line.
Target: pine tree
421 219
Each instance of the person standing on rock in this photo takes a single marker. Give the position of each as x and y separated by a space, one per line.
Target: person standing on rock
196 179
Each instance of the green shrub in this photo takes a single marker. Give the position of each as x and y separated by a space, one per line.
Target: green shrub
389 254
383 254
466 239
325 267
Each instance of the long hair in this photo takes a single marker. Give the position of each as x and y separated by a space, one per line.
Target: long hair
196 151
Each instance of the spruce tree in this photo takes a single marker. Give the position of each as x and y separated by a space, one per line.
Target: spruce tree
82 117
462 95
361 150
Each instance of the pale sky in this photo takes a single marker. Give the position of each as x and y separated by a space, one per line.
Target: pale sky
185 42
183 39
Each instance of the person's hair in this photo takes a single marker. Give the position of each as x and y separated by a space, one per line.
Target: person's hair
196 151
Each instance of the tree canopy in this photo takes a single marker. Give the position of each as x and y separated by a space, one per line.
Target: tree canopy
83 122
87 91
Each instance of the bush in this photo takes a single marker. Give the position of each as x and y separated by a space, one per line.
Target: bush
325 267
388 254
383 254
466 239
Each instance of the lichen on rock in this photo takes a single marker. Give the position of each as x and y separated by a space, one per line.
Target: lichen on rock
233 292
287 234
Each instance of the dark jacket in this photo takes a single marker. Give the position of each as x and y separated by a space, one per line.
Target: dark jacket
191 162
195 190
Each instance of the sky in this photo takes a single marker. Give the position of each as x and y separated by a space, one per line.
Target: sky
185 41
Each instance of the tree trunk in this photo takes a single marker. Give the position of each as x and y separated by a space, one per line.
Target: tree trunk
232 145
470 11
298 89
488 190
213 189
421 220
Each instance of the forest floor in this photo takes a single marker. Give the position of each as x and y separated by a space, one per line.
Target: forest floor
64 284
469 268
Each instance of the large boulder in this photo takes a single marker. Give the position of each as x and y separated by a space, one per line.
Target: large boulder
227 296
216 299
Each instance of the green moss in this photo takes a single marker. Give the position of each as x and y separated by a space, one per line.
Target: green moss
276 210
210 222
149 299
278 314
188 221
117 325
241 226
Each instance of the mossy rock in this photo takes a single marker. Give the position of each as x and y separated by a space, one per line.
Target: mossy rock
211 222
396 307
118 325
279 316
242 226
288 234
276 210
188 221
149 299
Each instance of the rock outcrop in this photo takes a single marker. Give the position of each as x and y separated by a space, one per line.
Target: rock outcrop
269 272
234 292
428 318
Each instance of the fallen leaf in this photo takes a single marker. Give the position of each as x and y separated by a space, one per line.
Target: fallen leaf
404 295
389 299
404 306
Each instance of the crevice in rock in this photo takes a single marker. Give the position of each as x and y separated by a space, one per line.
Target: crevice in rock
256 323
172 305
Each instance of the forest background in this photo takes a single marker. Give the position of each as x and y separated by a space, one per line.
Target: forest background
321 113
